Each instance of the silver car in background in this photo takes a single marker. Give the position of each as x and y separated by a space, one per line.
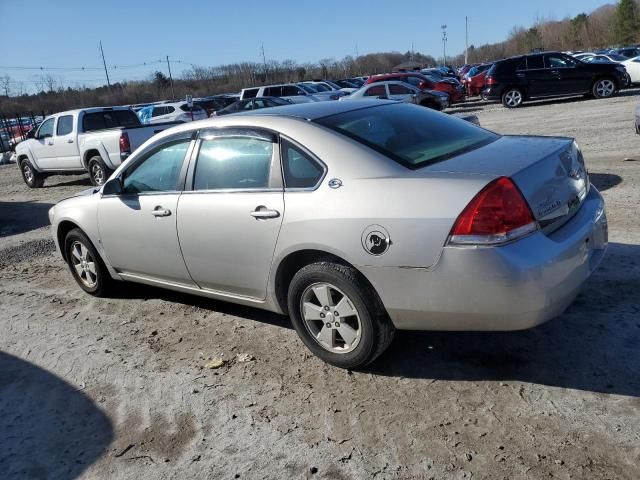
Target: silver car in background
402 92
354 218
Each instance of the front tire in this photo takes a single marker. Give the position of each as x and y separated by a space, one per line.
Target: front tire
603 88
98 171
85 264
30 175
338 315
512 98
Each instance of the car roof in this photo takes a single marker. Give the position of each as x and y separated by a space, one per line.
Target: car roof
316 110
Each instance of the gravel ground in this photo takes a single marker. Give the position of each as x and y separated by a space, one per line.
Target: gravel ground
119 388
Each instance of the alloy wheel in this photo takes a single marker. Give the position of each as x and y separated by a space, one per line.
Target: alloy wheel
28 173
605 88
331 318
513 98
97 172
84 264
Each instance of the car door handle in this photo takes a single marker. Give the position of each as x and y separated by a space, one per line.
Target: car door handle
70 140
50 142
161 212
263 212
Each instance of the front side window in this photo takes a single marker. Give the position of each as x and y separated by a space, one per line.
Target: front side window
300 170
46 129
233 163
415 81
375 91
410 135
65 125
558 61
158 111
159 171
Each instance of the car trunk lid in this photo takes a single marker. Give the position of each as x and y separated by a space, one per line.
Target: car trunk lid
549 171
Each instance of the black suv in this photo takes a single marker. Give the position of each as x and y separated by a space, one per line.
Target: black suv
550 74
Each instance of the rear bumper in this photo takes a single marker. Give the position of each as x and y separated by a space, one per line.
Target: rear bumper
513 287
492 93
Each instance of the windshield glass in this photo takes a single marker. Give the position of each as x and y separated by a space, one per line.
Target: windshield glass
411 135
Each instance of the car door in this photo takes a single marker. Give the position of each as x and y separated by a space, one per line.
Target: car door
42 147
138 226
539 80
399 92
570 78
633 69
231 211
64 143
159 114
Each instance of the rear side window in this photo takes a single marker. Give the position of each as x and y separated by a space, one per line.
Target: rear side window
415 81
158 111
109 119
535 62
250 93
299 168
65 125
408 134
395 89
291 91
273 92
233 163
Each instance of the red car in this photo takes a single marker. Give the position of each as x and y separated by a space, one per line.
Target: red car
450 86
475 84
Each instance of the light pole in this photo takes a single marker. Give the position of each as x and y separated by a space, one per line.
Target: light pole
444 43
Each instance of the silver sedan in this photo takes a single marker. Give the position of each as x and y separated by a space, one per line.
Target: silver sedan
354 218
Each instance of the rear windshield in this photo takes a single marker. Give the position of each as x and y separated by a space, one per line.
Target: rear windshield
411 135
109 119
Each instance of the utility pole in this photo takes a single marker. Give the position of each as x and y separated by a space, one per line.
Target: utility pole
466 40
444 43
105 66
173 93
264 61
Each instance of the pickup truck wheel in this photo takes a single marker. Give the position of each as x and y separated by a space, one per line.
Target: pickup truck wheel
98 171
603 88
86 265
30 175
338 315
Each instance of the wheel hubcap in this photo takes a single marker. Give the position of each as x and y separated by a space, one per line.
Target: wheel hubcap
28 174
605 88
98 174
514 98
331 318
84 264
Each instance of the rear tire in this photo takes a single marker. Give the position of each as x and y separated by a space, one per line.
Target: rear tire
30 175
351 338
85 264
98 171
512 98
604 88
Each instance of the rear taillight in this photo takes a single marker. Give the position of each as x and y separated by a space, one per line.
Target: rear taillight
490 80
497 214
125 146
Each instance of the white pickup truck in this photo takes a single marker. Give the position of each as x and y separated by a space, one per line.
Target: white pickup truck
94 140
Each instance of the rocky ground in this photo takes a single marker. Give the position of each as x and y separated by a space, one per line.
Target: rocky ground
121 387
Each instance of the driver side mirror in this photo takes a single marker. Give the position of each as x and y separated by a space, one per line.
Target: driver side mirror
31 133
113 187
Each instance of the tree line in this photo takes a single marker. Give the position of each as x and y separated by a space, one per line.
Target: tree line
608 26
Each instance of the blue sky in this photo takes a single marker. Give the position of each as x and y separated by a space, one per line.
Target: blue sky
65 33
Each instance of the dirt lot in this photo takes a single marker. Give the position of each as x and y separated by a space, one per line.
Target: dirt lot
115 388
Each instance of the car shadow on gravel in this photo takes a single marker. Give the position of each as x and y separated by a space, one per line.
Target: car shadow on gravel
594 346
50 183
144 292
21 217
604 181
49 429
